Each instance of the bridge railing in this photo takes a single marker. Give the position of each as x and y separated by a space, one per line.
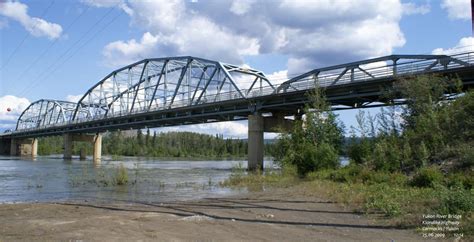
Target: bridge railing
337 76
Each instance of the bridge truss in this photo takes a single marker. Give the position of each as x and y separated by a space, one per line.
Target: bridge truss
44 113
185 90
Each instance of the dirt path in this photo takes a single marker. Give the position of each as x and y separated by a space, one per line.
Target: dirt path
276 215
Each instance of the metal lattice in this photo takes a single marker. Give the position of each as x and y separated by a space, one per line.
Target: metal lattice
169 84
46 113
166 83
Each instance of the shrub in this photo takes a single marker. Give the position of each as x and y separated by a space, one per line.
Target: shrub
359 152
121 175
460 180
456 201
427 177
308 157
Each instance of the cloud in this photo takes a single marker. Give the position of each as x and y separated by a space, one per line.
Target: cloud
465 44
73 98
278 77
109 3
17 105
311 35
36 26
412 9
122 53
241 7
457 9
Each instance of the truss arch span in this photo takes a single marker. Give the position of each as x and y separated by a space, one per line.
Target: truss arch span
165 83
45 113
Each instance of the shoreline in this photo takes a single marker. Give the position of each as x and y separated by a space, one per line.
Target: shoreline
276 214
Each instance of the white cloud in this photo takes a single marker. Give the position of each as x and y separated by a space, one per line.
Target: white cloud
278 77
240 7
312 35
123 53
465 44
35 26
412 8
457 9
109 3
16 105
73 98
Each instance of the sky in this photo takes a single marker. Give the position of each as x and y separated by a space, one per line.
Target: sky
58 49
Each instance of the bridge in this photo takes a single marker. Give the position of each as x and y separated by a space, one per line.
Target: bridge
186 90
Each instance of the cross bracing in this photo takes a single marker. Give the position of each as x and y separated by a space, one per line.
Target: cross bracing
45 113
187 90
164 83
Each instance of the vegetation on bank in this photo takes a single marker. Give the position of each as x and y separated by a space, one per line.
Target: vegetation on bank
171 144
406 162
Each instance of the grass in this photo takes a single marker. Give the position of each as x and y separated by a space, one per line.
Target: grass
390 195
118 176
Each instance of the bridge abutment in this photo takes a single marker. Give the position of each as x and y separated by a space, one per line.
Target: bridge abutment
95 139
257 126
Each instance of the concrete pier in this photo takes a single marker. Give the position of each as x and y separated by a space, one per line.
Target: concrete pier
24 147
94 139
67 146
257 125
255 142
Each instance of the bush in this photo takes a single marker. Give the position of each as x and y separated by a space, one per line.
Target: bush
460 180
456 201
427 177
121 175
307 158
359 152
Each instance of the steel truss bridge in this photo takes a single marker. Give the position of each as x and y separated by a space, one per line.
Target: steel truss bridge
189 90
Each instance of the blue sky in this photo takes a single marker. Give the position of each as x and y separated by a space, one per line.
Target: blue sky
58 49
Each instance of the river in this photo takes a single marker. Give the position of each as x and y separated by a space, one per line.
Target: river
50 178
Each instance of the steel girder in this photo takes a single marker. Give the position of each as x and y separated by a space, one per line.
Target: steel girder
371 69
166 83
45 113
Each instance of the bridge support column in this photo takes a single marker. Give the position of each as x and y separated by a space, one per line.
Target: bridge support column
255 142
257 125
24 147
67 146
13 148
96 141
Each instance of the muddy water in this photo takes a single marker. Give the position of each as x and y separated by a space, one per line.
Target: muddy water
53 179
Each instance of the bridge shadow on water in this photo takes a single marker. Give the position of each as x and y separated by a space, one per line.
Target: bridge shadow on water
235 209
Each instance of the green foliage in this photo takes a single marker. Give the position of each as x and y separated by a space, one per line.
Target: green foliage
360 174
172 144
315 142
430 130
455 200
359 152
121 175
427 177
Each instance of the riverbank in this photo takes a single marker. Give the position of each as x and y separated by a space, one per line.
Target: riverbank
275 214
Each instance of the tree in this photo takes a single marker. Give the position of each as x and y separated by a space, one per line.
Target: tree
315 141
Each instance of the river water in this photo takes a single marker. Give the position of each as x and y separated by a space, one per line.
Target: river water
50 178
